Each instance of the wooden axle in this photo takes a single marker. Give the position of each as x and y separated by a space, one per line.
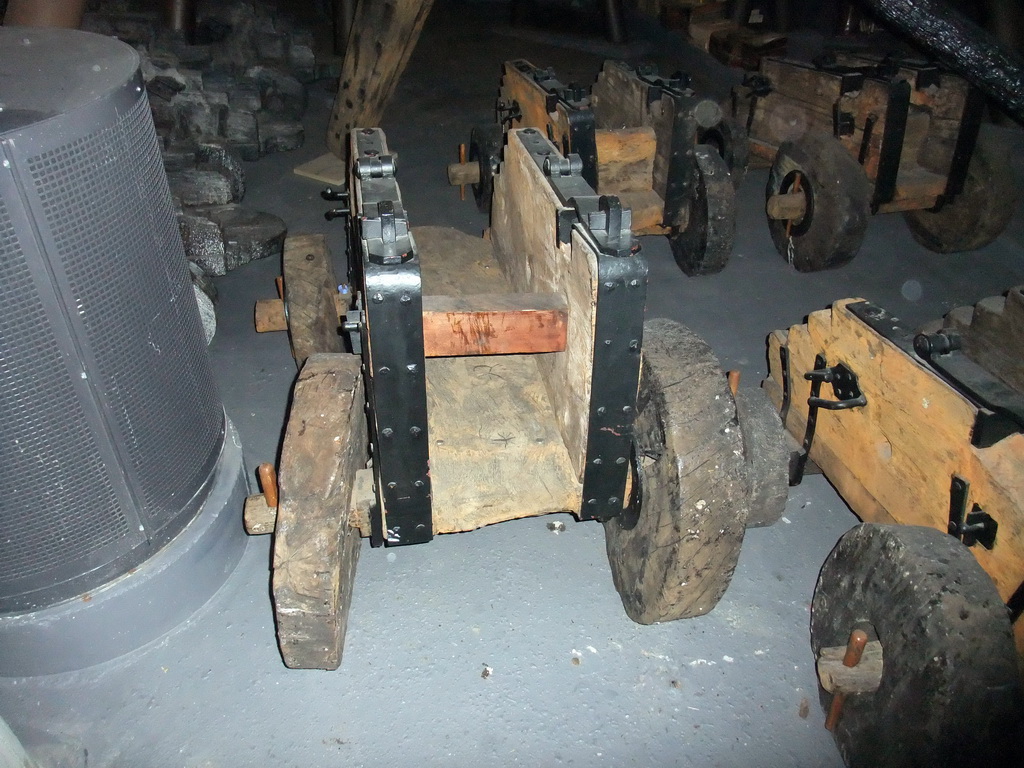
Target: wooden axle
482 324
789 206
851 658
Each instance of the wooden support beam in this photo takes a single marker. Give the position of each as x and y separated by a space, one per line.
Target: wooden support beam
494 324
384 33
482 324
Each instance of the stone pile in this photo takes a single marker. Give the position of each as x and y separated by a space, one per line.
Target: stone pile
236 92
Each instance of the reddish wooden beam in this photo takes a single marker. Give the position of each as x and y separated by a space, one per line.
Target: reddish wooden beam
482 324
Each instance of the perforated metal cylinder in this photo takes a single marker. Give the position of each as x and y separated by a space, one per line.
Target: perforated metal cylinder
111 424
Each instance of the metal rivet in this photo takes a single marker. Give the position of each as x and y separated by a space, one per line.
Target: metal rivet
383 370
598 461
412 367
601 411
415 431
421 527
634 283
387 432
620 460
607 342
609 285
634 344
310 257
378 298
367 131
418 484
591 501
405 298
613 500
627 409
370 152
392 486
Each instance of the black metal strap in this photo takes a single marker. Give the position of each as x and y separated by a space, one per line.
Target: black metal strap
966 141
392 349
618 332
893 133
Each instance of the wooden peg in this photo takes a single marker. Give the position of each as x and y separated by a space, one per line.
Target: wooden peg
268 483
734 381
854 651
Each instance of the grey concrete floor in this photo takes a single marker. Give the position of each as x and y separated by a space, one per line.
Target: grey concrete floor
573 681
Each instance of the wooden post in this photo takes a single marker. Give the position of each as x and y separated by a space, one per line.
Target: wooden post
383 35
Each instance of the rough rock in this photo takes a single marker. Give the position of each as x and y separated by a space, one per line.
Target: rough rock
247 234
200 187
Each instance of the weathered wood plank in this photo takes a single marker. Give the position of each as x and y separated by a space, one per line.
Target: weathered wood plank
496 452
479 324
315 547
383 36
494 324
893 459
625 160
523 215
310 287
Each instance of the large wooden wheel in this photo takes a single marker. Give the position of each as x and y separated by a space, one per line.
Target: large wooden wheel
673 552
315 546
949 693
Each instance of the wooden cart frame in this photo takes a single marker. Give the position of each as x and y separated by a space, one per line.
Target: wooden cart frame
478 368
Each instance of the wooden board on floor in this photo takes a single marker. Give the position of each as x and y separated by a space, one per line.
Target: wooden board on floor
315 547
893 460
383 36
523 225
328 169
310 286
496 452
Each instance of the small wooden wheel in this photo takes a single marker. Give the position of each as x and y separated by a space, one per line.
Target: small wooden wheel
703 246
834 214
673 552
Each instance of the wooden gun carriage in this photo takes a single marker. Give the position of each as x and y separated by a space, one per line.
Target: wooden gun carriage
499 378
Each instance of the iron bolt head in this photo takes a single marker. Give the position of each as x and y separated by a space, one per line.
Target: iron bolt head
378 298
387 432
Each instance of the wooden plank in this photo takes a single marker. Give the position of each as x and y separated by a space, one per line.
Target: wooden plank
894 459
328 169
496 451
494 324
802 81
315 548
479 324
523 214
310 287
618 99
625 160
383 36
